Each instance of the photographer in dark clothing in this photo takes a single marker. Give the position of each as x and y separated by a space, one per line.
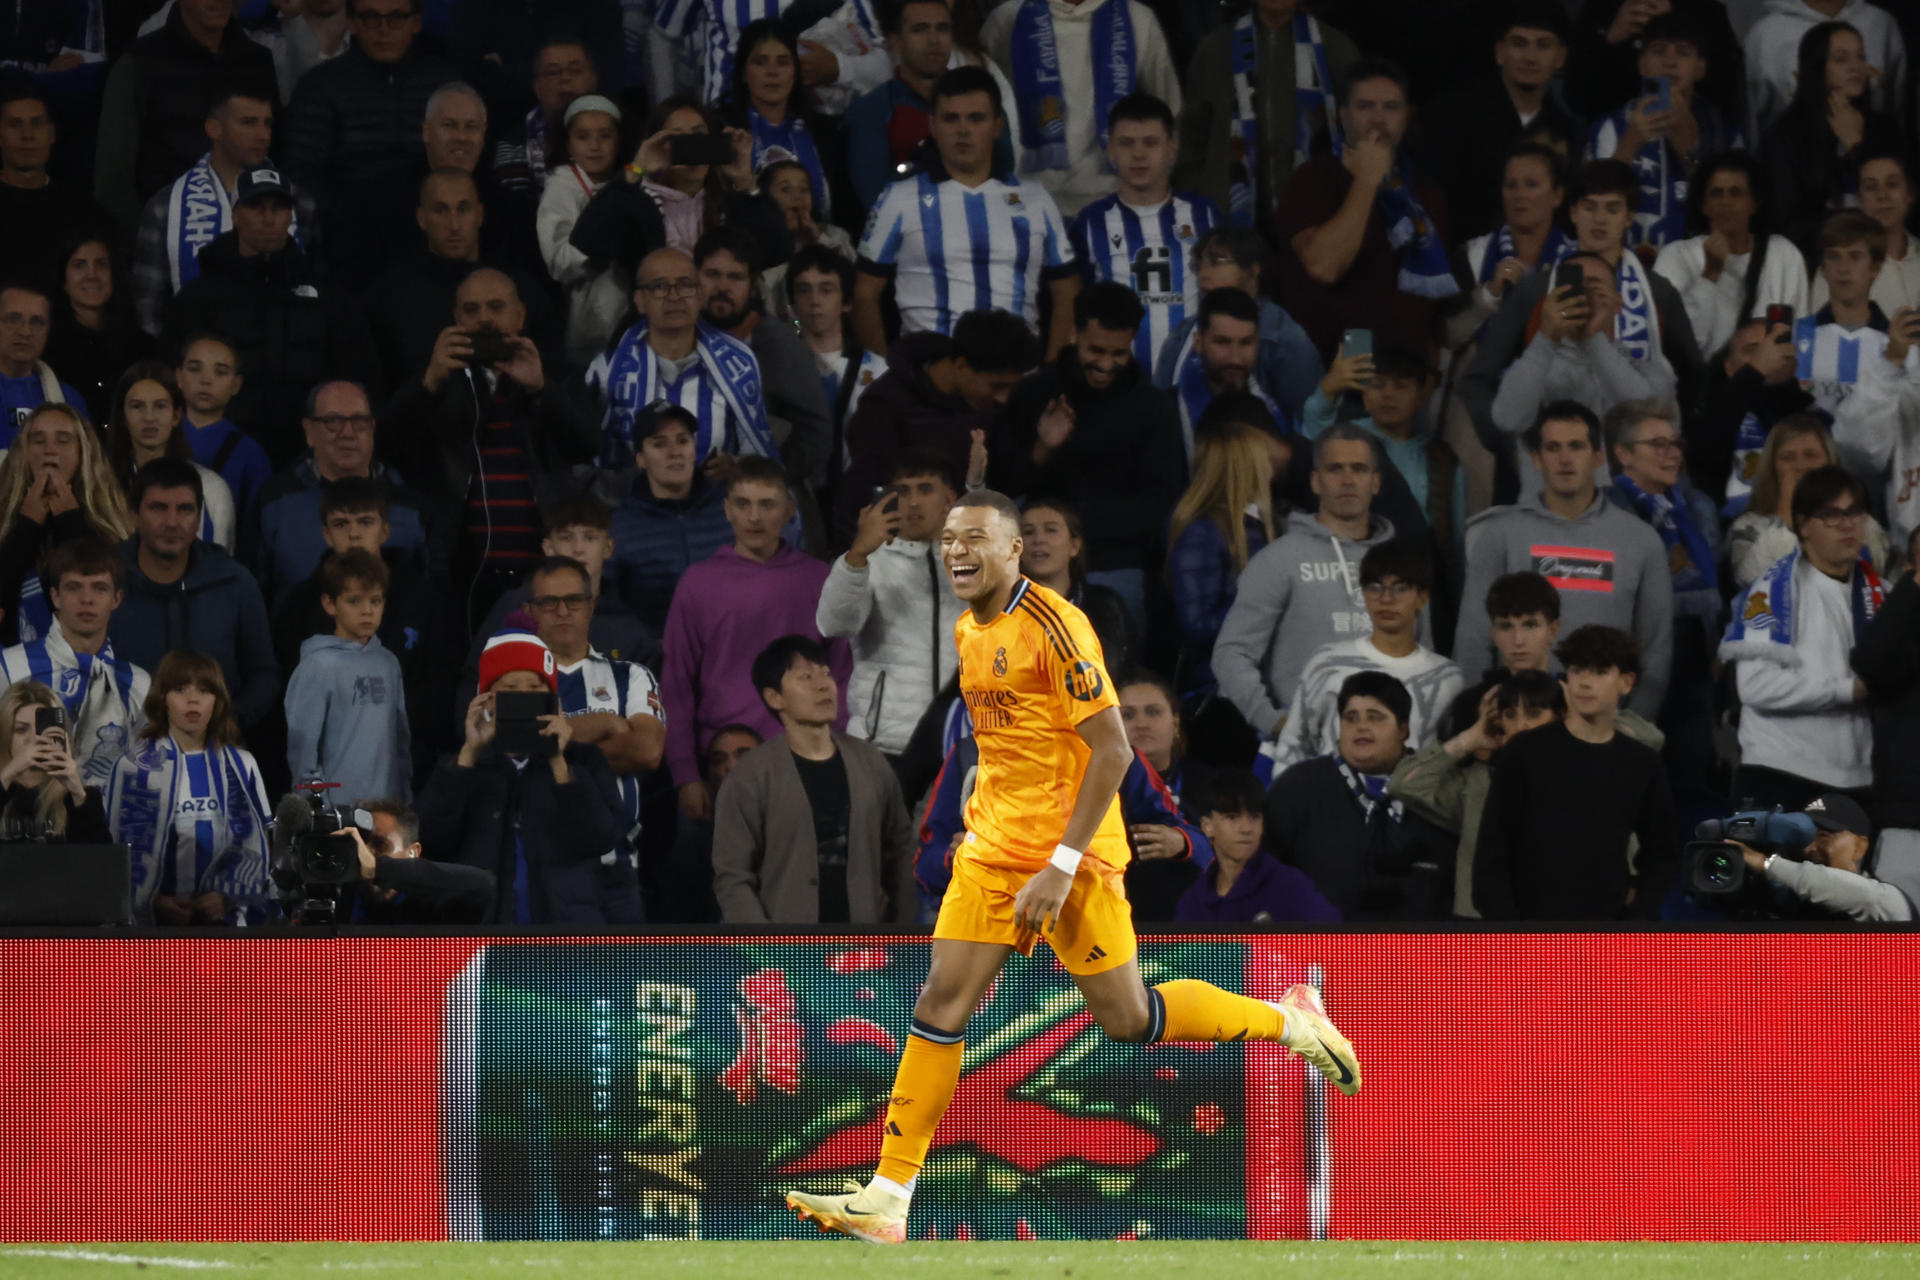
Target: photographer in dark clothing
399 887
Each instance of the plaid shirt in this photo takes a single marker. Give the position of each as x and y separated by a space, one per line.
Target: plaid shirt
152 279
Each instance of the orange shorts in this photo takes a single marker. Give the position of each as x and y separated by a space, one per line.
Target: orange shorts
1093 934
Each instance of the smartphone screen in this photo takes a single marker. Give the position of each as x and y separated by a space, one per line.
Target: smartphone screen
1660 89
1570 275
1357 342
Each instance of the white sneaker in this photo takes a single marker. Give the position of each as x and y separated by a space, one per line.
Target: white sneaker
1309 1033
865 1213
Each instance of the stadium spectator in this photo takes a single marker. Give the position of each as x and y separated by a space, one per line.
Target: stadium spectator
1223 520
1753 388
682 889
1366 231
530 435
940 395
1286 364
1142 236
44 792
1245 884
889 596
1396 580
1847 336
1733 267
154 109
1836 117
346 707
596 292
93 336
1603 63
1089 57
550 832
724 610
258 290
146 423
727 264
1529 237
1331 816
188 802
1805 728
182 591
353 133
1303 590
55 487
529 149
1223 355
785 185
1156 729
1122 470
320 32
1253 117
36 208
672 354
284 541
501 43
1764 533
101 692
1790 45
845 54
1886 195
817 290
671 516
455 134
27 381
209 376
811 827
1053 554
954 232
887 123
768 98
1468 136
1564 802
1883 658
1607 565
1523 614
1878 427
196 207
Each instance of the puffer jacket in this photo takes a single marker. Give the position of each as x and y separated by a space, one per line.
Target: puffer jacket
898 612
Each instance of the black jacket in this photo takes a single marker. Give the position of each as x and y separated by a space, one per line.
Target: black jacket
290 332
431 436
475 816
1372 867
622 224
423 892
1713 432
408 306
1885 659
20 817
1121 470
1808 173
1463 139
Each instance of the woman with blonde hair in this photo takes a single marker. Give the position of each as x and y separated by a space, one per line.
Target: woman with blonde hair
1763 533
45 797
1220 522
188 802
56 486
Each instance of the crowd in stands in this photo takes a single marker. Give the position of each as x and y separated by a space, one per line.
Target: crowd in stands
1484 437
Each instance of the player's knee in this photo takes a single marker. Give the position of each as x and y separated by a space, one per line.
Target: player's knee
1127 1025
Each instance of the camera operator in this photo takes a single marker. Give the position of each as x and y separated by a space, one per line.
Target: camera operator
1832 881
398 886
45 797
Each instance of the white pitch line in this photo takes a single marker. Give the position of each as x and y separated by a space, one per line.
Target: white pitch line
124 1259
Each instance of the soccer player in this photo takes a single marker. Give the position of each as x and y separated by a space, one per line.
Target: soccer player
1043 856
1143 234
955 238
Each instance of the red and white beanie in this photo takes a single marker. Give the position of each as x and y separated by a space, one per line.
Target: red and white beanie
516 648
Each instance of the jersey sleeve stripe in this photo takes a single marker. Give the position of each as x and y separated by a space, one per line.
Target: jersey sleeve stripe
1048 614
1054 637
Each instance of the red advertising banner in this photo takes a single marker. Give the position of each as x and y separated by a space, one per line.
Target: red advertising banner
1686 1086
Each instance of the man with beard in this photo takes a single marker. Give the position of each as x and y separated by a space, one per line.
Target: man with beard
726 262
1221 356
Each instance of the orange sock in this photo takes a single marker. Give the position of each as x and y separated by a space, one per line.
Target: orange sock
922 1087
1186 1009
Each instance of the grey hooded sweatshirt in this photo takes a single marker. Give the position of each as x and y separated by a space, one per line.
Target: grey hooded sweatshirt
1300 591
1608 565
347 720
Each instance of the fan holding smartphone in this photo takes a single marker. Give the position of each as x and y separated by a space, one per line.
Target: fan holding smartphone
45 796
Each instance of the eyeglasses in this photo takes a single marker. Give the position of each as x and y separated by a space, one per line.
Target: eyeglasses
337 423
1664 444
1388 590
392 20
554 604
1836 517
671 288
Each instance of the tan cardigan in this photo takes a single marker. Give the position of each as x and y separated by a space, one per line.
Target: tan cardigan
765 865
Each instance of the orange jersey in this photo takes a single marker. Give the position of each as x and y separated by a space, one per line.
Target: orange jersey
1029 678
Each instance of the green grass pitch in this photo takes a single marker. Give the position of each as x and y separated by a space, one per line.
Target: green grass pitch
1041 1260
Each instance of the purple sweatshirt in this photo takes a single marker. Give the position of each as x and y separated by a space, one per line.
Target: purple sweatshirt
725 610
1268 890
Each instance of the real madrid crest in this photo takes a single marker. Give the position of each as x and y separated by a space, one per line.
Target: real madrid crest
1000 661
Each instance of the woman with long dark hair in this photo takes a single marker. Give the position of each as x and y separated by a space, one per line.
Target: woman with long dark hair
1812 151
691 197
144 423
1530 236
94 334
769 101
1731 267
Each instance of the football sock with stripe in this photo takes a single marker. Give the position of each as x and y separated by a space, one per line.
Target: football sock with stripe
923 1085
1189 1010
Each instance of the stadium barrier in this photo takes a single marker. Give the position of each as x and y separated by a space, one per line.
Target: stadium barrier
1696 1085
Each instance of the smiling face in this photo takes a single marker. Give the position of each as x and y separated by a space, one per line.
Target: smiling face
454 131
981 548
1048 544
1371 739
1103 353
89 276
151 415
1652 455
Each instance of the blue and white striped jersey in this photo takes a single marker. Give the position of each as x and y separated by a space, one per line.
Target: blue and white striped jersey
1830 356
599 683
952 249
717 25
1150 250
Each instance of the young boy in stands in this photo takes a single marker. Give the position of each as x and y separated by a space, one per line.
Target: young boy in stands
346 709
209 378
1850 332
1245 884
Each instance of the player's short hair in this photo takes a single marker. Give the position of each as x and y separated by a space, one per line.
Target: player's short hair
1561 411
1235 304
352 495
1382 688
578 513
1232 792
1532 691
342 570
753 469
1140 107
958 82
1851 227
1109 304
1401 558
818 257
995 341
1819 488
560 564
88 557
993 500
1597 648
1515 595
772 663
1602 178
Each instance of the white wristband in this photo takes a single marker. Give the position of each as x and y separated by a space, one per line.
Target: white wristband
1068 860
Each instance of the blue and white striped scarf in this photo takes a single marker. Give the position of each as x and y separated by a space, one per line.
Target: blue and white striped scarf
1501 247
199 211
1036 72
1763 615
732 374
1191 392
791 140
1425 271
1312 100
141 800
